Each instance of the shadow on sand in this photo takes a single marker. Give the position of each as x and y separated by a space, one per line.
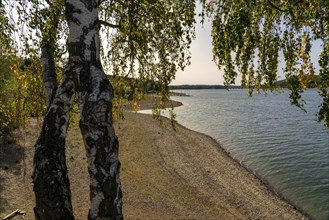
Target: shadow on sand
11 157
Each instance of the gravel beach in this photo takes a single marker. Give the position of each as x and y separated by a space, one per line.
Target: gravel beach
165 174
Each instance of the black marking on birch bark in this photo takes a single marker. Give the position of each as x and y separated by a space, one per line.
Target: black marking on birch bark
89 4
85 78
69 10
75 48
95 58
85 31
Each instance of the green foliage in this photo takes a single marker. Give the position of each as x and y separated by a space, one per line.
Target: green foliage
324 85
38 23
6 82
6 30
172 117
248 37
21 94
145 39
151 39
126 90
129 92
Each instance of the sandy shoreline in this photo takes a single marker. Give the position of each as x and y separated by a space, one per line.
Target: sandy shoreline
165 175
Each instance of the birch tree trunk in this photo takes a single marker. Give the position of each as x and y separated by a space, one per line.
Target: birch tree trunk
50 177
95 99
85 76
48 71
51 183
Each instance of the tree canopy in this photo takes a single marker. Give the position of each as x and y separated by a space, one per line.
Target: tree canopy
140 38
150 39
250 37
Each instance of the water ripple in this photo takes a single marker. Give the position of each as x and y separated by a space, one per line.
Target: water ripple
284 145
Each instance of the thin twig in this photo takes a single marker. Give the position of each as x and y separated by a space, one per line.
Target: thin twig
276 7
105 23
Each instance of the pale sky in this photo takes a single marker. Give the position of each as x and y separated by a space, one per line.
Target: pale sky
202 69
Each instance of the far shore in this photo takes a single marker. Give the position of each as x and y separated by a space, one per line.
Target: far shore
165 174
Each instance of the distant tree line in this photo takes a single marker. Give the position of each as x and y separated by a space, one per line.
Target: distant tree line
285 83
183 87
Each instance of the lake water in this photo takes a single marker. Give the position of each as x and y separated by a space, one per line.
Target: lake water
283 145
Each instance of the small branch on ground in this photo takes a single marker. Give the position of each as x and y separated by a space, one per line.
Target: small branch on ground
14 213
